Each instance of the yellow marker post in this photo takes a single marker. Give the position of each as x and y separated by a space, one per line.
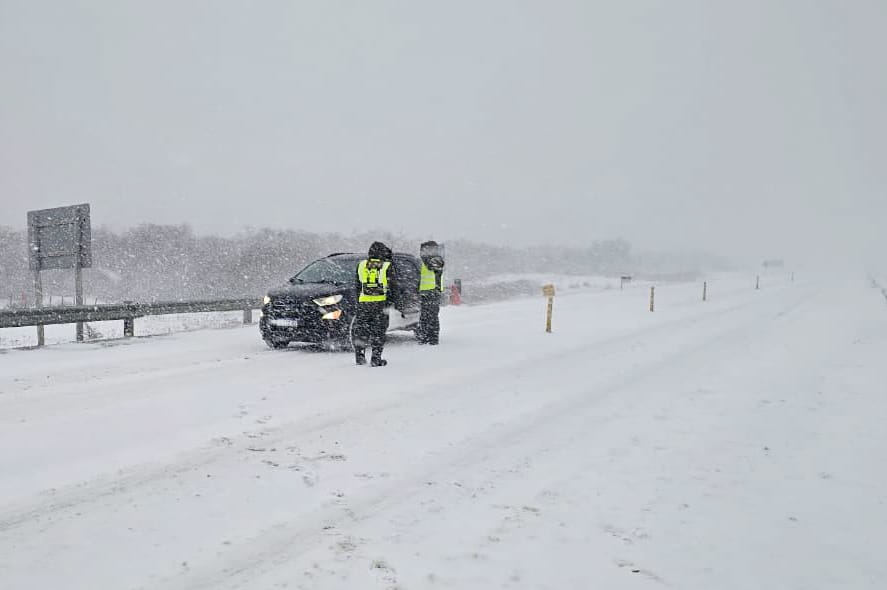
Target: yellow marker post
548 291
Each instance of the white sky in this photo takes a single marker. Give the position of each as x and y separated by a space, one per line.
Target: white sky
748 128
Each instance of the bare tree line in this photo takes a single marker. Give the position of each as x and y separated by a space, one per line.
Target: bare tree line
170 262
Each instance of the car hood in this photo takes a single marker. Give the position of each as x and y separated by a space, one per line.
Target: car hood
308 290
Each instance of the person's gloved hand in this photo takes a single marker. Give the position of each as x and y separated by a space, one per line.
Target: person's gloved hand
435 263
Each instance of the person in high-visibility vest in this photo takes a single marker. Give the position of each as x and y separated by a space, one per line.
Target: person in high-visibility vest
375 283
430 288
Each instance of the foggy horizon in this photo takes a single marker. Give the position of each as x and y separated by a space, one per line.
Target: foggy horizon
750 131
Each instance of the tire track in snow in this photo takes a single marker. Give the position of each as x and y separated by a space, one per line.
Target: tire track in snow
101 488
286 540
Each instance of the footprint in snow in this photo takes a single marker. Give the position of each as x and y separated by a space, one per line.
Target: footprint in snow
623 564
324 456
387 573
349 544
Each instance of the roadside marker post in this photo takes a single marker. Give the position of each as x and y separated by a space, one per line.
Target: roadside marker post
548 291
652 299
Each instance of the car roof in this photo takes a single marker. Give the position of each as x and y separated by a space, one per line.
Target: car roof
356 256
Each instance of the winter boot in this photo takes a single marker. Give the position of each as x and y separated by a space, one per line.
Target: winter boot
377 360
360 356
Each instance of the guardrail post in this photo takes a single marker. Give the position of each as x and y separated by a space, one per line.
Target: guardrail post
129 324
247 315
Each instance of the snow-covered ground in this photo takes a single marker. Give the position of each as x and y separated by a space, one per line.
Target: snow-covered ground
737 443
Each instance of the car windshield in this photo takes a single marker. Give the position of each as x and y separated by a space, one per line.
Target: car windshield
328 270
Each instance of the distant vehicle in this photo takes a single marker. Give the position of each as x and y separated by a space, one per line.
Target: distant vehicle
318 303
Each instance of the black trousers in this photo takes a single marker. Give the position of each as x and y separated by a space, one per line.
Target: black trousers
429 317
370 328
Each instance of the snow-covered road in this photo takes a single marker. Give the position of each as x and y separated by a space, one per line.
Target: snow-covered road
737 443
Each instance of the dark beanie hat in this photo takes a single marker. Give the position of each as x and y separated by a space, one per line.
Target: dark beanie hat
379 250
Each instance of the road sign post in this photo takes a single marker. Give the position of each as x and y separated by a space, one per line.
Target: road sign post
78 273
38 302
60 238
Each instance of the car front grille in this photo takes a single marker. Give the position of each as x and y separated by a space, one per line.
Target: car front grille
288 308
280 307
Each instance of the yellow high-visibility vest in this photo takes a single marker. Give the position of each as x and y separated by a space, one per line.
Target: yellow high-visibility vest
428 280
373 276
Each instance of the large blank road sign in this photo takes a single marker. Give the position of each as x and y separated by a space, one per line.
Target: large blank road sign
57 237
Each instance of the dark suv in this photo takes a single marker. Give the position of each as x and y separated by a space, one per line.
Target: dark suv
318 304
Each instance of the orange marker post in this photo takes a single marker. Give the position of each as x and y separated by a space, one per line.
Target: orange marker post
548 291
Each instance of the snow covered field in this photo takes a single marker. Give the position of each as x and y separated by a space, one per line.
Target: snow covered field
738 443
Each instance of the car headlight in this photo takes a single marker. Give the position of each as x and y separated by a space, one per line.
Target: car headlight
333 315
266 300
331 300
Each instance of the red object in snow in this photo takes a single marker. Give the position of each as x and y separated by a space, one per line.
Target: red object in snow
455 296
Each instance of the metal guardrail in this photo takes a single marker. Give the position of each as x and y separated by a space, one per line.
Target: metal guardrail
127 311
